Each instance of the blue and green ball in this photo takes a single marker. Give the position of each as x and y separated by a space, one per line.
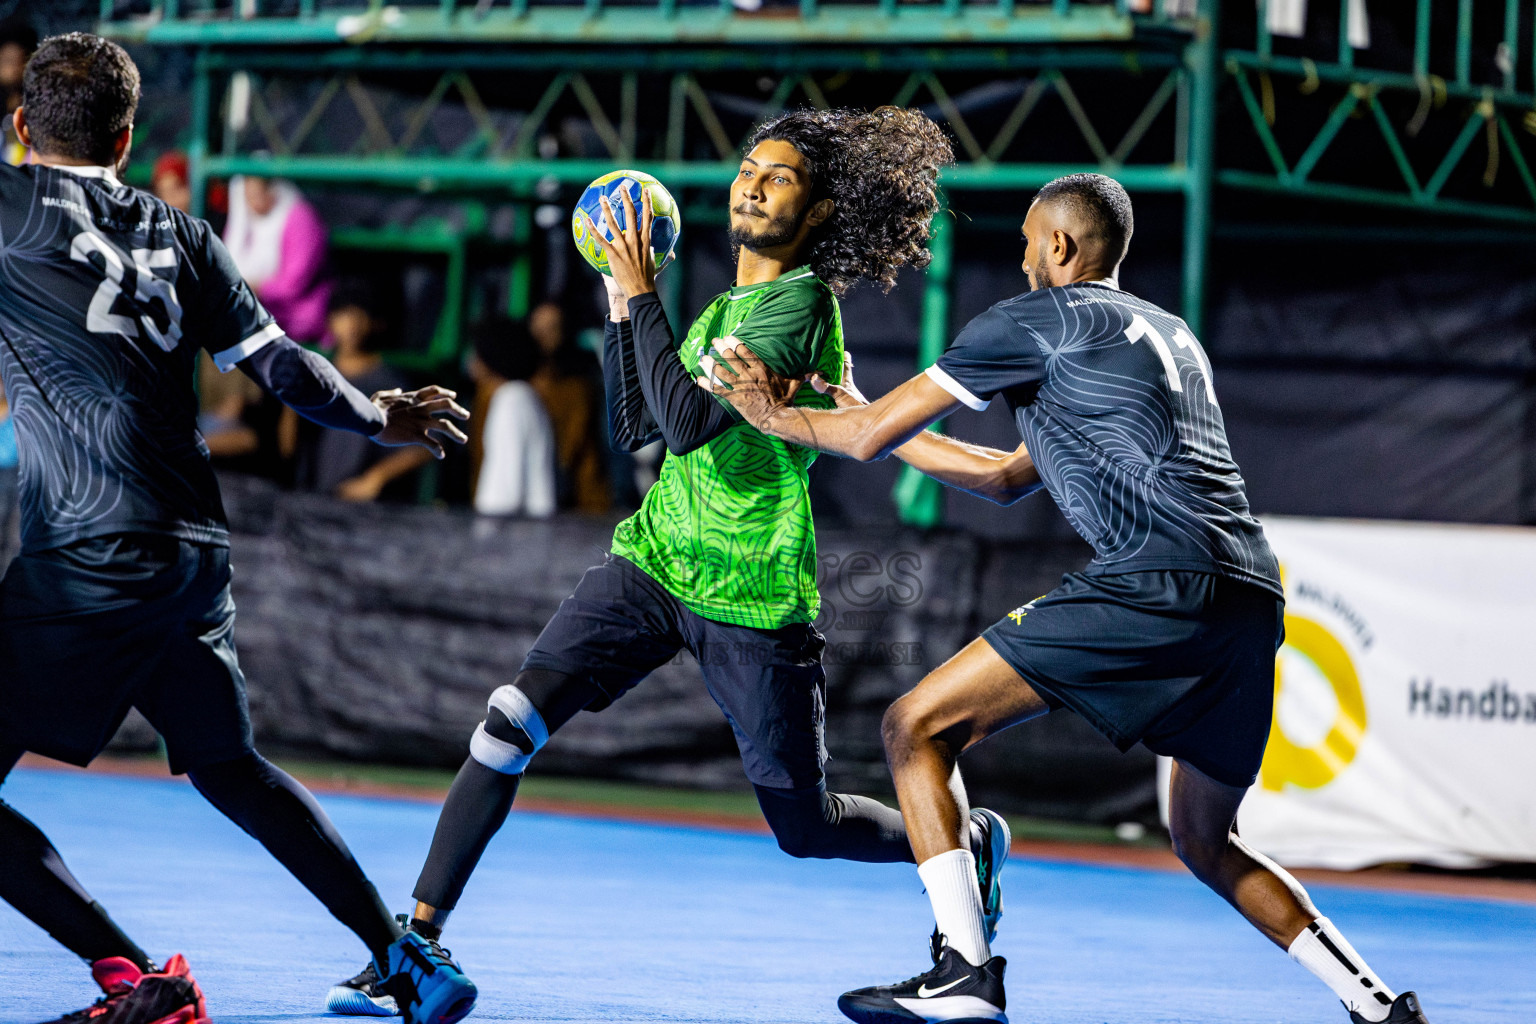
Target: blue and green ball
666 226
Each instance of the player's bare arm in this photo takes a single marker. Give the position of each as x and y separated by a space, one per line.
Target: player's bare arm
999 476
865 433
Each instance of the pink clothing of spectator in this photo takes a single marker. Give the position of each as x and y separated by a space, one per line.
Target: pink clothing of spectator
279 243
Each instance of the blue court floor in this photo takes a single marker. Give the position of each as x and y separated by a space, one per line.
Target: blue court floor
579 920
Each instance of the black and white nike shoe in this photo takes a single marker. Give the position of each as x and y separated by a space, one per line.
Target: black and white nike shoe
993 853
363 995
1406 1009
954 992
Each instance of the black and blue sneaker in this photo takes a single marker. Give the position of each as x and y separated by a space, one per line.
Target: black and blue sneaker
955 992
427 985
1406 1009
990 857
361 996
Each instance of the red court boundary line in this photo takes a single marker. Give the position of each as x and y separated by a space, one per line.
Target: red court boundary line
1146 858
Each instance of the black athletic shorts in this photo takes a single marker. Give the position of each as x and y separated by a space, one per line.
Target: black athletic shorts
93 628
1181 661
620 625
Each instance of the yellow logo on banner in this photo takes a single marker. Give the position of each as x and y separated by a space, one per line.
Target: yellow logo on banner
1312 767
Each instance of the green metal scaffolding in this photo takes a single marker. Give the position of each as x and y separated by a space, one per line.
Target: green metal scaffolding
311 81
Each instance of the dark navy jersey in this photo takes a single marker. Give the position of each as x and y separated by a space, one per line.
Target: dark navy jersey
1115 402
106 294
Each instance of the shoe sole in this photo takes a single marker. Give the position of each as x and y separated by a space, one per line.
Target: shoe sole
352 1003
455 1011
185 1015
999 841
448 1004
885 1013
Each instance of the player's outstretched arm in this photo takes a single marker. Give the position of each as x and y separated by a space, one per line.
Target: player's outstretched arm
866 433
314 389
999 476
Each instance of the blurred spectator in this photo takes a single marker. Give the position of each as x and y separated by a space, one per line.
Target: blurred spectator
571 384
517 443
278 241
10 494
171 180
350 466
239 422
17 41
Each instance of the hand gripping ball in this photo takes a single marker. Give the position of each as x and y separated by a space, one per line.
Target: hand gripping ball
666 226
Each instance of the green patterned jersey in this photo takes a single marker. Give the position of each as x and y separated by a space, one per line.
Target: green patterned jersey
727 528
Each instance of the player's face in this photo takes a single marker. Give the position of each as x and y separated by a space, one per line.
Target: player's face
1036 244
770 196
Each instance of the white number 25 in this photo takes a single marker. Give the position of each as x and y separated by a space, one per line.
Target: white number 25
147 288
1140 328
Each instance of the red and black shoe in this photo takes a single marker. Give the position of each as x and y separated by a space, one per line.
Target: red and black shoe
167 996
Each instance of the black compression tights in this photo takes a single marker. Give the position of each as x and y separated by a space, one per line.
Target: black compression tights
808 822
281 814
35 880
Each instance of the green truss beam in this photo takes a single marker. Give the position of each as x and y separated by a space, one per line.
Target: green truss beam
516 177
1257 182
646 25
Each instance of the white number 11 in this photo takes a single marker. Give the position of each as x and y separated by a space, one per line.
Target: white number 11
1140 328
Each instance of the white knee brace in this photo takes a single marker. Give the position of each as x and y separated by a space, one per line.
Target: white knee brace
499 755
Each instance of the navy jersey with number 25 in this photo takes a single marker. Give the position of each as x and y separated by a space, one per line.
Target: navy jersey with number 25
1115 402
106 294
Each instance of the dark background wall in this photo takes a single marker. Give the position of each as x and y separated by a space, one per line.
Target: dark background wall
376 633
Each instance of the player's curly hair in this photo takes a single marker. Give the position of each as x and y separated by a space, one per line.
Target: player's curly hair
880 168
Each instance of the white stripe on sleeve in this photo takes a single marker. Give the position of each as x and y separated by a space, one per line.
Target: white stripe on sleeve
227 359
959 391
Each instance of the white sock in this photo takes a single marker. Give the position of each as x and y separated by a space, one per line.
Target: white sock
951 882
1324 951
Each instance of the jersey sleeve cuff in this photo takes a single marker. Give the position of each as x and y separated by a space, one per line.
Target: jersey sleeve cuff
956 390
227 359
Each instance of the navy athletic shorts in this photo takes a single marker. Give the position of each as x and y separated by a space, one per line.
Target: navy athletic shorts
1181 661
620 625
93 628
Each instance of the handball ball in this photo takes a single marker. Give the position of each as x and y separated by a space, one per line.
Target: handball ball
666 226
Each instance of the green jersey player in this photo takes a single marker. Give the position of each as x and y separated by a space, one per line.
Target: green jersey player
721 558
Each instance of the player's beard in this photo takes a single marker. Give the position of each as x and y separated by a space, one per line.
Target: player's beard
779 231
1042 275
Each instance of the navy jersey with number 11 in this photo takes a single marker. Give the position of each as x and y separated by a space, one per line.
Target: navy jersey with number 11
1115 402
106 294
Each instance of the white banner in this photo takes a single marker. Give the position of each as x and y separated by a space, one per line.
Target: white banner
1405 713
